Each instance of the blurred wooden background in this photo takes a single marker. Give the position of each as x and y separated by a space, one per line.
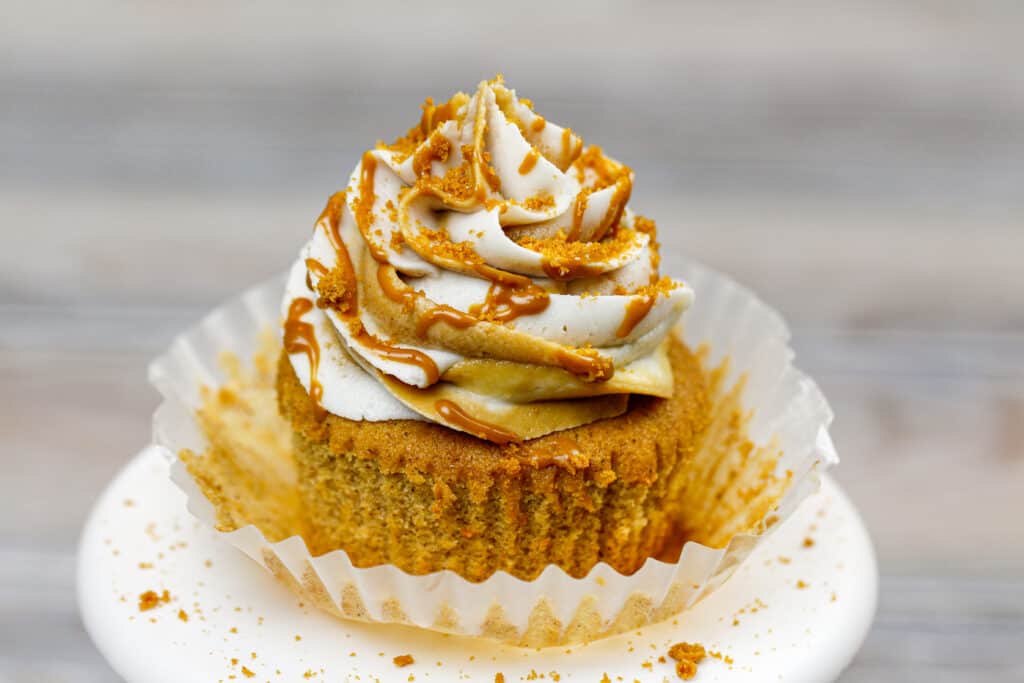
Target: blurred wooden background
861 165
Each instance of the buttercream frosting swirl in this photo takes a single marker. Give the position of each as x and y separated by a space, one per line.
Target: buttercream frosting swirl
483 272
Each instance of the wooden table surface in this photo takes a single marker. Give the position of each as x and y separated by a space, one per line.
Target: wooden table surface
861 166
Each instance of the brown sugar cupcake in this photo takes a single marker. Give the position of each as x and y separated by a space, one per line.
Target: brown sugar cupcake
479 368
482 414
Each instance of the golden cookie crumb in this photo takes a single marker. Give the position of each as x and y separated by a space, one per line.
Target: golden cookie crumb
151 600
687 656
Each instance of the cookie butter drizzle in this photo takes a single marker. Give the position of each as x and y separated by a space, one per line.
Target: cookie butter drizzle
330 218
364 205
451 413
446 314
509 296
399 355
529 161
636 310
300 337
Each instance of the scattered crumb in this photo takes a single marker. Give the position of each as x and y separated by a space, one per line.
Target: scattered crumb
687 656
605 679
298 638
233 629
183 615
499 677
720 657
403 660
808 542
151 600
128 502
145 565
247 673
801 584
783 559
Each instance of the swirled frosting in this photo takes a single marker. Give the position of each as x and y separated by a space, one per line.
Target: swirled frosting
482 272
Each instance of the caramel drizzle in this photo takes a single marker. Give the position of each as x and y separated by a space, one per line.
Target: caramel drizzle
489 174
397 354
594 368
445 314
570 155
452 413
620 197
504 303
509 296
560 269
529 161
314 266
406 297
636 310
364 205
300 337
434 115
578 210
332 214
566 141
503 276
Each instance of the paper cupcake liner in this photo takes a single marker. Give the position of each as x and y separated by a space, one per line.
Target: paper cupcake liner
788 411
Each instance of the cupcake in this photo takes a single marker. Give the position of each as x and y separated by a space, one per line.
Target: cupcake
479 369
481 375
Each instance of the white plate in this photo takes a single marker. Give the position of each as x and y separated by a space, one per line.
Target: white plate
791 612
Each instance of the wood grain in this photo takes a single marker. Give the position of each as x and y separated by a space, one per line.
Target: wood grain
859 165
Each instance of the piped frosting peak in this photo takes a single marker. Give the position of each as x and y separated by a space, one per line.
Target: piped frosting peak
484 272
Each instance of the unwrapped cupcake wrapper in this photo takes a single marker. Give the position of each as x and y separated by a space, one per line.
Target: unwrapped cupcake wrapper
787 409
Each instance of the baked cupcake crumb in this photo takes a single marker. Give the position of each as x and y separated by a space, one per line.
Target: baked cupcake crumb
687 657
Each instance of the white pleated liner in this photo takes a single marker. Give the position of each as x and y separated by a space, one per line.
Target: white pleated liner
727 317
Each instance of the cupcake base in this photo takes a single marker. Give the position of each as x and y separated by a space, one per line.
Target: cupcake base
424 498
800 635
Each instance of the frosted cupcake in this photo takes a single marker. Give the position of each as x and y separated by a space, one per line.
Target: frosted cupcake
482 370
479 369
